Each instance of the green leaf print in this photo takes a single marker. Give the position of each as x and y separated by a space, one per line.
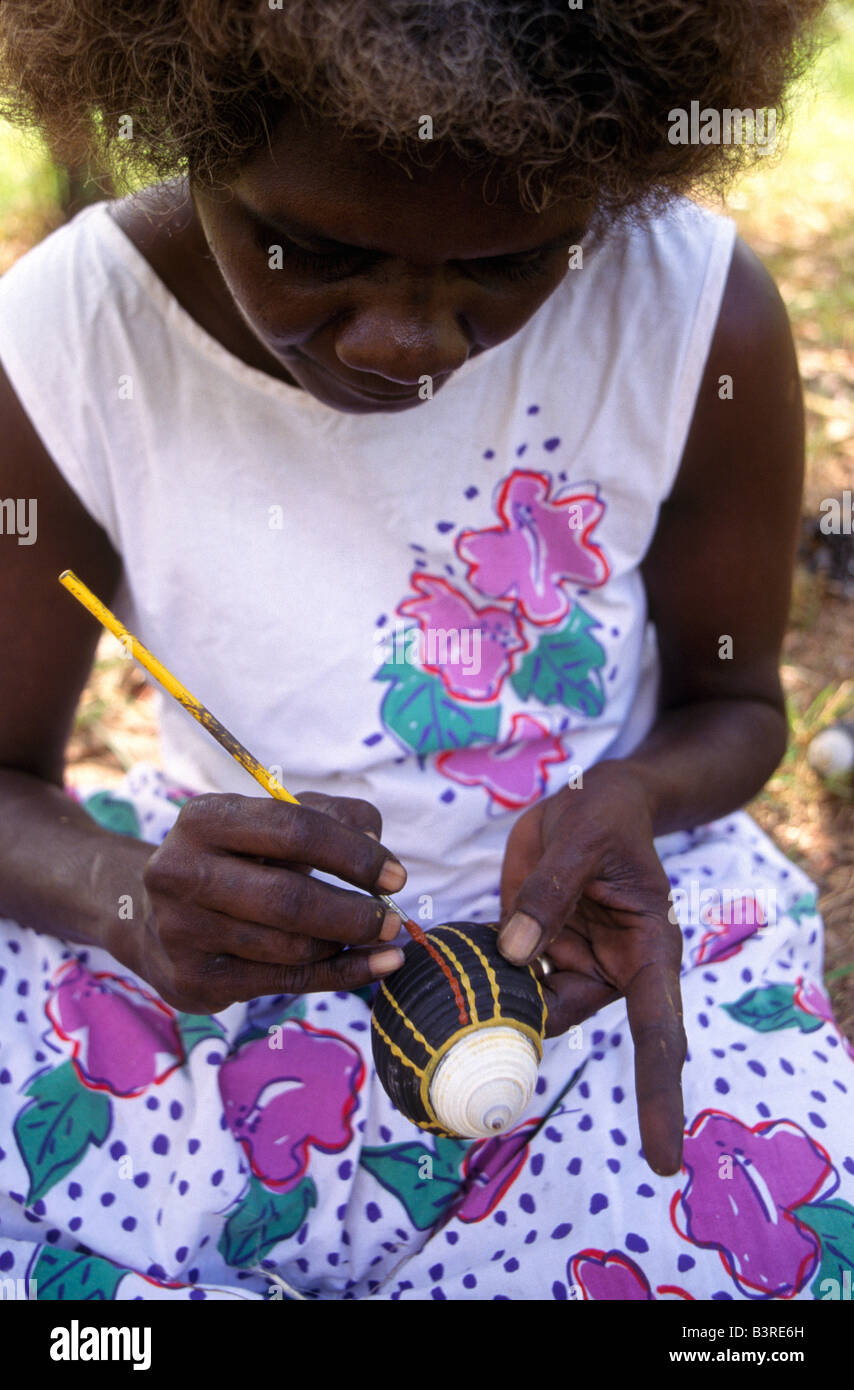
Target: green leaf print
805 906
771 1007
262 1219
195 1028
833 1223
424 717
114 813
564 667
67 1275
424 1180
55 1130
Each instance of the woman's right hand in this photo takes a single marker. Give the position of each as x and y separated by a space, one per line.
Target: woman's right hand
224 924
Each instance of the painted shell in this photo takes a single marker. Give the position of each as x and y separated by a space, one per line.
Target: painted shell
458 1033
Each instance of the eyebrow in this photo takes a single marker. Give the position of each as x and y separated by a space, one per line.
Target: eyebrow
291 227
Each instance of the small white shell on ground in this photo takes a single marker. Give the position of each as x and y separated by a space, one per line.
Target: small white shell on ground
484 1082
831 753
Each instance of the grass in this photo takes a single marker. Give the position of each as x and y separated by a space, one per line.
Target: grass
796 209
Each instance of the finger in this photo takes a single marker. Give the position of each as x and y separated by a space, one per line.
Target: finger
571 998
347 810
654 1005
274 897
281 830
241 980
216 933
549 896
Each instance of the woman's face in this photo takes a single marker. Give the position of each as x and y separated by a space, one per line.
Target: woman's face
383 278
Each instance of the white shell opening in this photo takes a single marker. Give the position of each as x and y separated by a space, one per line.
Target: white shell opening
484 1082
831 753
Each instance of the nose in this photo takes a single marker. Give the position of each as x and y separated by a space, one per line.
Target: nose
403 338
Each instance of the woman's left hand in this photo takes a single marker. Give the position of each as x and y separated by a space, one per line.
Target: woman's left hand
582 881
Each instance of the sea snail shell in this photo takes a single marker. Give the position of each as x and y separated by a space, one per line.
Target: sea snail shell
459 1059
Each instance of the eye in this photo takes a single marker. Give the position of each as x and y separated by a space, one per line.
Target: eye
529 265
322 265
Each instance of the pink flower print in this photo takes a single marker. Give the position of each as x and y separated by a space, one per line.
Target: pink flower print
475 646
513 772
730 926
809 997
124 1039
541 543
748 1217
613 1276
280 1100
490 1167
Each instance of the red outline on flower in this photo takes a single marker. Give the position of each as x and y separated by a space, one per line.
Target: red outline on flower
300 1149
512 653
77 1046
554 753
592 549
739 1280
603 1259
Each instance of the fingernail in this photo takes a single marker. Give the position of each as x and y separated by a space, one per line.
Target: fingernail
373 835
384 962
391 927
520 938
392 876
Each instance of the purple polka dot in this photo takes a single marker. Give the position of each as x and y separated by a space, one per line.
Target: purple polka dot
217 1177
469 1281
574 1167
511 1265
721 1086
345 1169
183 1187
75 1191
617 1095
141 1180
636 1243
5 1077
160 1144
684 1263
7 1260
787 1067
450 1236
816 1120
559 1291
645 1190
763 1110
526 1202
533 410
107 1199
614 1165
489 453
598 1202
537 1164
757 1067
181 1254
554 1135
153 1103
541 1086
197 1295
585 1123
472 492
129 1223
75 1223
372 1211
551 444
193 1146
562 1230
117 1150
530 1237
520 450
443 526
436 1272
618 1136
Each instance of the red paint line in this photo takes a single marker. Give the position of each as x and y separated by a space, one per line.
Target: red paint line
421 937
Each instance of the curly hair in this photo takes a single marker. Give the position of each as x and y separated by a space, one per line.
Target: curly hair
568 101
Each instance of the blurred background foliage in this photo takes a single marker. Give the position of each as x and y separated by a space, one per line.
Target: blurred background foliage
796 209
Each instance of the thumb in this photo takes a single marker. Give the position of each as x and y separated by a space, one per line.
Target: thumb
522 854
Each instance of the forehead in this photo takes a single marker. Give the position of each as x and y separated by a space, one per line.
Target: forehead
335 184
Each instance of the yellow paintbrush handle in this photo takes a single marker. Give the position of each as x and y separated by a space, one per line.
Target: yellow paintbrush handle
155 668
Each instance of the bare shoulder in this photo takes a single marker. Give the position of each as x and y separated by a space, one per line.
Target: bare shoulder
747 427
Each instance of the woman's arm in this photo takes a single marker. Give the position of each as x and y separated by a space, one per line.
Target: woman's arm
581 877
718 573
212 922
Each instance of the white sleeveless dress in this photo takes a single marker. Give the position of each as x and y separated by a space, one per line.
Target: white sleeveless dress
440 611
